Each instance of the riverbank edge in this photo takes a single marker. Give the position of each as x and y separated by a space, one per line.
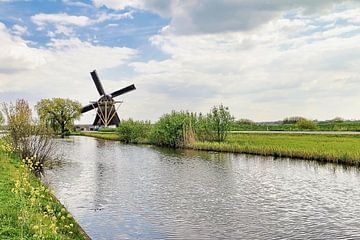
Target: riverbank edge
12 162
344 159
260 151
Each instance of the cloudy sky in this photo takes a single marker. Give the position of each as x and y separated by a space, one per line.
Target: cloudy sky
266 60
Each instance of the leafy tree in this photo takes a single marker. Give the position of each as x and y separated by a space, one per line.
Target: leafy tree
59 114
220 120
306 124
131 131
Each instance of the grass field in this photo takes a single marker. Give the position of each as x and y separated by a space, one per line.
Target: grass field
28 210
320 126
329 148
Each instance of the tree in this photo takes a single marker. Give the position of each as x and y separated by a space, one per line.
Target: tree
220 120
59 114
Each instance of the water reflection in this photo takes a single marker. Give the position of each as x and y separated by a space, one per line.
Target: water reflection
140 192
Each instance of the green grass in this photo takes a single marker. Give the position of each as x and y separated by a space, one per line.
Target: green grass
28 210
329 148
101 135
320 126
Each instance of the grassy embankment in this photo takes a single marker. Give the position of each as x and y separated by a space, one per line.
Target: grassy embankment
343 149
101 135
28 210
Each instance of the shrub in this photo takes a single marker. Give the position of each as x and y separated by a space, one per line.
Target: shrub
305 124
220 120
28 138
174 129
131 131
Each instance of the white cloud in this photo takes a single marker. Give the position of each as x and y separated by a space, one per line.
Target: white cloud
212 16
64 19
64 23
42 19
19 30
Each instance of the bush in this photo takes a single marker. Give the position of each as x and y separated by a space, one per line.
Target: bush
305 124
174 129
28 138
219 120
131 131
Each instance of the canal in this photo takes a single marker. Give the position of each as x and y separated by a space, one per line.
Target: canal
118 191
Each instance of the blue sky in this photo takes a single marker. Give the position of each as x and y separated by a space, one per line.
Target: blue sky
265 60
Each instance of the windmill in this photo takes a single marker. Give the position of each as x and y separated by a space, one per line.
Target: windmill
106 111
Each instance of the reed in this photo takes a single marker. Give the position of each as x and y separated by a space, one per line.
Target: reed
327 148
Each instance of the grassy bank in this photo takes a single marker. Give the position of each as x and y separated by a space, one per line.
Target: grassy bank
329 148
101 135
28 210
343 149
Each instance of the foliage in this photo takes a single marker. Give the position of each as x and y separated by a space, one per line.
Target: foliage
305 124
203 128
174 129
131 131
220 120
107 130
28 209
27 137
290 120
337 120
59 114
244 121
1 119
329 148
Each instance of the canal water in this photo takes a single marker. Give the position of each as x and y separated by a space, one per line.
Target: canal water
118 191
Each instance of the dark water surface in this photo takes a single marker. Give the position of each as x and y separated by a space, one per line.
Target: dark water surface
120 191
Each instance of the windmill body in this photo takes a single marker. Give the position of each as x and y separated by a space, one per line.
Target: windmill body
106 113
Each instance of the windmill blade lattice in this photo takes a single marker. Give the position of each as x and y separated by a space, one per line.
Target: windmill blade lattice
106 112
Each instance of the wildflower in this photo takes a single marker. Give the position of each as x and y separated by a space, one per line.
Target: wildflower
35 227
63 218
